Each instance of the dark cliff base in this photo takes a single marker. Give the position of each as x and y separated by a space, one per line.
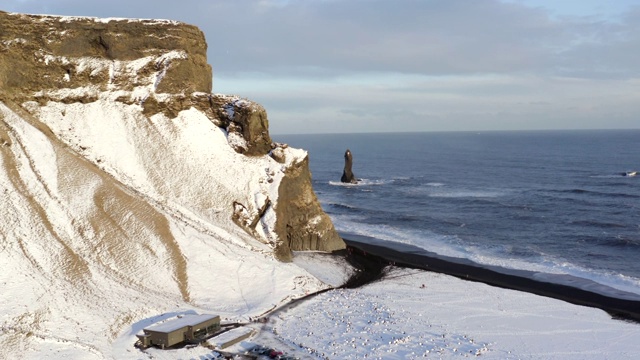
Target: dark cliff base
371 257
369 268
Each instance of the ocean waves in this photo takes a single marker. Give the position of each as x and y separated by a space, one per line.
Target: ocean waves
561 208
594 193
361 182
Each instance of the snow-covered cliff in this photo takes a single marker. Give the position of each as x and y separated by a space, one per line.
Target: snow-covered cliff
128 190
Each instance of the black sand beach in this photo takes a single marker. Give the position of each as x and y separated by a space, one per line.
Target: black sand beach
373 254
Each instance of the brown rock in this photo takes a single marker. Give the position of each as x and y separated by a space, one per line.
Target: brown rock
301 222
247 120
347 174
42 52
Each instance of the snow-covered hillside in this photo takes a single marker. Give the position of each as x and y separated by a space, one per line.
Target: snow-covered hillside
126 190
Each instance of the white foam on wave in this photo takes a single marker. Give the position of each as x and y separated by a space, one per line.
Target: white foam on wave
349 218
441 190
467 194
544 264
553 266
361 182
435 184
440 244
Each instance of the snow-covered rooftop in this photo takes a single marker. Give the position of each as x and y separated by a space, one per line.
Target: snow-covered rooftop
229 336
180 322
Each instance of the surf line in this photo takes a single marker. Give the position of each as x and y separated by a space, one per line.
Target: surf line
374 255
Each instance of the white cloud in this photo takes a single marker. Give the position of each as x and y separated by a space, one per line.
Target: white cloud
457 64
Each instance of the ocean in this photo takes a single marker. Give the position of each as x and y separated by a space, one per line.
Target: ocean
546 201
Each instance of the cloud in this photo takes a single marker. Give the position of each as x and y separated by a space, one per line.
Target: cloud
424 37
604 49
429 37
370 65
436 37
452 103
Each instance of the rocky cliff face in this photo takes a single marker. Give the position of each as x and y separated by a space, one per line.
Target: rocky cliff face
158 67
305 226
129 193
53 53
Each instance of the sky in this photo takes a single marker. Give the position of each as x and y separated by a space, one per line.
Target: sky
352 66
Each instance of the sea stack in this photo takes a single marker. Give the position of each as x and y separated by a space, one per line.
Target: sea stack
347 174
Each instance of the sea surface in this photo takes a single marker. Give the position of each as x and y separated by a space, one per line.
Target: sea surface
548 201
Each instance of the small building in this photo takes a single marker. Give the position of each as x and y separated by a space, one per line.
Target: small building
187 328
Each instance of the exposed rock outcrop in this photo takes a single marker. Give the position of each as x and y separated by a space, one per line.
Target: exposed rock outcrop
302 220
246 122
42 54
347 173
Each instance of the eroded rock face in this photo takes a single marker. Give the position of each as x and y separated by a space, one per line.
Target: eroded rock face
302 220
246 122
159 67
48 53
347 173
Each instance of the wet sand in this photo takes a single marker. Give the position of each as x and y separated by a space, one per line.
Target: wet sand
373 254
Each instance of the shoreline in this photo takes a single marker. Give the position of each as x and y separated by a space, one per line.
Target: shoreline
371 251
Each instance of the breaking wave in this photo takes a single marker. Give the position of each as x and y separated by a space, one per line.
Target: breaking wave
361 182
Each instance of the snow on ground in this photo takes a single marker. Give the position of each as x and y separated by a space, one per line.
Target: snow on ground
186 353
416 314
228 336
113 219
149 156
329 269
96 243
108 229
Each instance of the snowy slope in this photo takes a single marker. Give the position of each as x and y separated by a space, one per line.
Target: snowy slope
85 255
114 216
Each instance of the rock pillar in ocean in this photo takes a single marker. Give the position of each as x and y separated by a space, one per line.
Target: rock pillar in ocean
347 174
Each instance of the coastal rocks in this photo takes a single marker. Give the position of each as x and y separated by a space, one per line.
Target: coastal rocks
301 223
347 174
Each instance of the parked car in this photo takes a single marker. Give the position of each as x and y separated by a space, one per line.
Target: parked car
261 350
286 357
